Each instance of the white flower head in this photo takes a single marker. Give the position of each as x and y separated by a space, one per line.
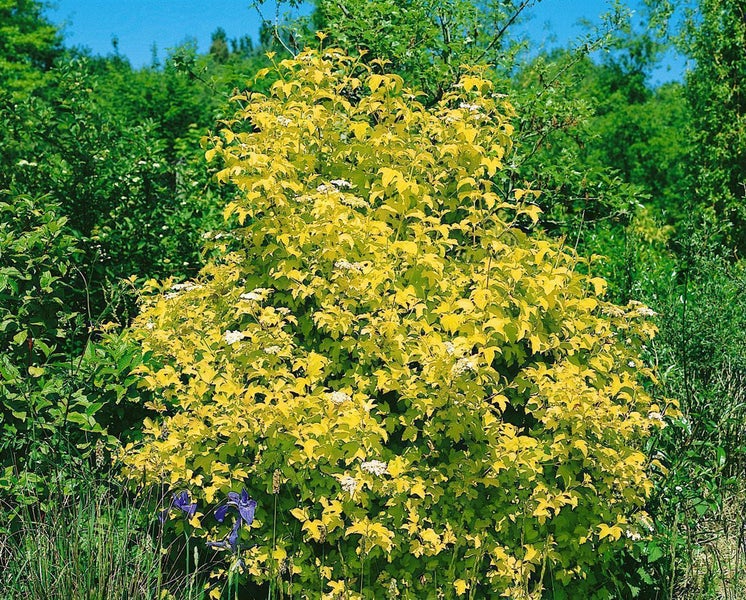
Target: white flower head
631 364
185 287
470 107
375 467
272 350
633 535
249 296
613 311
284 121
283 310
644 311
450 348
463 365
256 294
349 484
644 520
346 265
339 397
656 416
231 337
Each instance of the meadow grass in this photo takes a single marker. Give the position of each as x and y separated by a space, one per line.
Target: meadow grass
93 545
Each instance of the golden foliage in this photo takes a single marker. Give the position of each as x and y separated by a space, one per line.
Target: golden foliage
450 403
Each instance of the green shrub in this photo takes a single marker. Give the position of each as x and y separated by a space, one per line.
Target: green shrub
59 387
421 398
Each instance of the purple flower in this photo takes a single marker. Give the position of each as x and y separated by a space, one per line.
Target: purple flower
246 508
244 505
180 501
232 541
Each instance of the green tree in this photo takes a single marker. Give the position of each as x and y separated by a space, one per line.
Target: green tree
715 38
425 41
29 44
219 45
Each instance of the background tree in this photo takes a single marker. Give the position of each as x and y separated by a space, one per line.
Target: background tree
29 44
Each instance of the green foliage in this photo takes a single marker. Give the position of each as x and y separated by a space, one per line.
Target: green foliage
422 398
57 386
715 36
117 177
425 42
29 44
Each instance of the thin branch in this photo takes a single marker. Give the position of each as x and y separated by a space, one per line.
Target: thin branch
504 28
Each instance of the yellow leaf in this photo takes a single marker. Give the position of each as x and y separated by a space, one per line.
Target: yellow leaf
450 322
374 81
492 164
582 446
308 447
36 371
460 586
418 489
315 364
359 129
299 514
599 285
388 175
531 553
279 554
614 532
406 247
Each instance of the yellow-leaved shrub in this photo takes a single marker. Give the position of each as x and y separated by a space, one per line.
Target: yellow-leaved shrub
424 400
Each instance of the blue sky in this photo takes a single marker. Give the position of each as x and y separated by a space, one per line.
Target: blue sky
138 24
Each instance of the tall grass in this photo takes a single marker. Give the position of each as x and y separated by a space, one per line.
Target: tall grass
95 545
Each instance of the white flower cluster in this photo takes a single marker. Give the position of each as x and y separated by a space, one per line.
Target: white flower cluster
349 484
450 348
231 337
284 121
334 186
375 467
346 265
470 107
283 310
185 287
339 397
272 350
641 309
256 294
613 311
644 520
633 535
463 365
656 416
176 288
